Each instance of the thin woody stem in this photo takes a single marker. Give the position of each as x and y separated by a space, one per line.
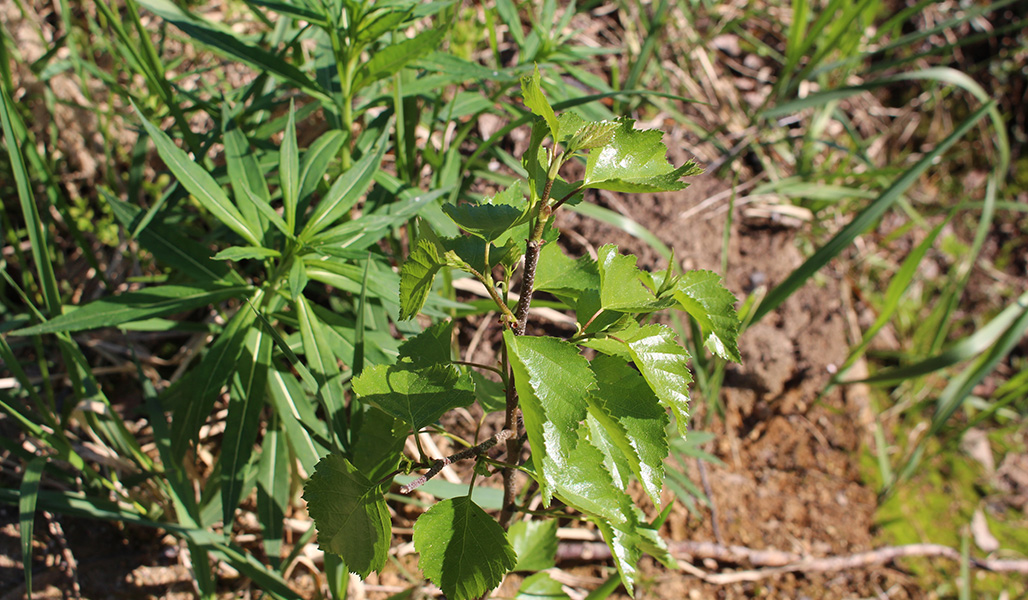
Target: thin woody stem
471 452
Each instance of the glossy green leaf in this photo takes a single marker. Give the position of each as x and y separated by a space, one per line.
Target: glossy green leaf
535 544
416 395
416 276
621 283
489 220
635 161
664 363
561 275
581 479
553 382
463 550
532 92
151 302
245 253
289 170
346 190
632 419
198 182
350 513
541 586
705 298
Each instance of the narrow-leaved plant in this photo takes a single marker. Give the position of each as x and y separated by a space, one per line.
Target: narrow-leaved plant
592 425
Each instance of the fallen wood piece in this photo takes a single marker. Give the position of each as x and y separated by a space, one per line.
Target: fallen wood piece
776 562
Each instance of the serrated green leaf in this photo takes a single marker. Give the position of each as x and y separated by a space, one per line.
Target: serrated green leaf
198 182
378 442
416 395
553 381
621 284
389 60
488 220
534 543
628 541
581 479
541 587
634 161
632 419
561 275
151 302
433 345
350 513
416 276
664 363
463 550
592 135
491 395
532 92
245 253
614 460
702 295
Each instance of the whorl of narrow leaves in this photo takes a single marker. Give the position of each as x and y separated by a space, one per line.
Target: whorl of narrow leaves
350 514
463 550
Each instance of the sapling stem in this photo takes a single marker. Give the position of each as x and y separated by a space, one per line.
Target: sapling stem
438 464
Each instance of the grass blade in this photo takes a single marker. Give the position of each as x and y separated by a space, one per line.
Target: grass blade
978 342
27 496
863 221
151 302
37 235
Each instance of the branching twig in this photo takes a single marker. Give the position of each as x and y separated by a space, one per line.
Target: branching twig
470 452
777 562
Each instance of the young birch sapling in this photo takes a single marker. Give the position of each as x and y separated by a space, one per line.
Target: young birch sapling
591 425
